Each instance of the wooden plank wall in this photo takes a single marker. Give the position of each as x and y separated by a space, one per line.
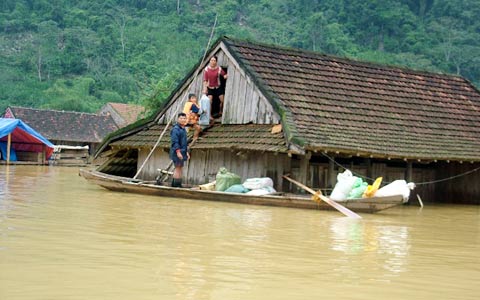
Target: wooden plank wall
204 165
244 103
464 189
159 160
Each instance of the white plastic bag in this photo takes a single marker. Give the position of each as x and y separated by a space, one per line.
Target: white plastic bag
397 187
258 183
262 191
344 185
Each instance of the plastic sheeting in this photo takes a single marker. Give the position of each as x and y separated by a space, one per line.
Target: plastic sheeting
24 138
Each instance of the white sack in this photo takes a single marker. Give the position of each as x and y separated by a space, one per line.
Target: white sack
397 187
258 183
344 185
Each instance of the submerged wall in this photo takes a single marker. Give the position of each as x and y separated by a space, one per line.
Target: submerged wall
321 173
204 164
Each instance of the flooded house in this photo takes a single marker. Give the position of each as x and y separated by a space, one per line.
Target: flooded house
75 135
123 114
290 111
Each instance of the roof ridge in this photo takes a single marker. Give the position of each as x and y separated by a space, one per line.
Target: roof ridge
342 59
55 110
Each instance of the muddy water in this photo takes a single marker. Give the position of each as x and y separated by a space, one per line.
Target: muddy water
62 238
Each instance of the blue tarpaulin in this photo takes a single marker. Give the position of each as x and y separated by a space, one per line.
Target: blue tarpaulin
23 138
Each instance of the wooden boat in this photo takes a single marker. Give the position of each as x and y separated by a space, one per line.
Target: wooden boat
124 184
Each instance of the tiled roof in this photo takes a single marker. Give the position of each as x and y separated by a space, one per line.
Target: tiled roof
129 112
343 105
66 126
242 137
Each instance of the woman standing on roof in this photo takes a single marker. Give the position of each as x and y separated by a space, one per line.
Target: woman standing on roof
211 81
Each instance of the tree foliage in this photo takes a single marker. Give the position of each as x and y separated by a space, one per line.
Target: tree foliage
77 55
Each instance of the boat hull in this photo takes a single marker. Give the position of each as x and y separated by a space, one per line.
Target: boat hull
128 185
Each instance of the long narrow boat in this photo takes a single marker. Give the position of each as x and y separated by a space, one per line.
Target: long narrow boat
124 184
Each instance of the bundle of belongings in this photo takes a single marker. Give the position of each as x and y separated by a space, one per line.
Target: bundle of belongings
226 181
352 187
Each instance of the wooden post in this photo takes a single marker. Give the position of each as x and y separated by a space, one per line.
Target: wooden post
304 163
287 168
331 173
368 162
409 172
44 154
9 145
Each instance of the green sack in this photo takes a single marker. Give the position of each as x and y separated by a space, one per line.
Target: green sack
237 188
358 188
225 179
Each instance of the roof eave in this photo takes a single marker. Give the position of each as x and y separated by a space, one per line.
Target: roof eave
388 156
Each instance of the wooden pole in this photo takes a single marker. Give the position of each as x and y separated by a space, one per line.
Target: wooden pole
9 145
329 201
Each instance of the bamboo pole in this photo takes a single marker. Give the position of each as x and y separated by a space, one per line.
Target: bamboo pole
9 145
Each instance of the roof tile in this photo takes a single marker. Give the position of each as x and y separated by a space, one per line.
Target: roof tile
66 125
344 104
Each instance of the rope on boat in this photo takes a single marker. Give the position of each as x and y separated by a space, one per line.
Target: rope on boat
186 95
419 183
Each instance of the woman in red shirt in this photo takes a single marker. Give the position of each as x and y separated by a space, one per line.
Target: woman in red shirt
211 81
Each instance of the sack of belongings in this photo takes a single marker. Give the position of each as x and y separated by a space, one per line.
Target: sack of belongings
237 188
258 183
344 185
397 187
372 189
357 189
208 186
225 179
262 191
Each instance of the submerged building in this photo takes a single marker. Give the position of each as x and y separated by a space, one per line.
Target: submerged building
312 115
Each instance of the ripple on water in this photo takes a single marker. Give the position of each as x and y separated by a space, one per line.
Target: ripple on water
96 244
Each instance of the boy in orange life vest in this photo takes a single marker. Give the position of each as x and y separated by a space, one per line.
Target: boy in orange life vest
191 109
211 81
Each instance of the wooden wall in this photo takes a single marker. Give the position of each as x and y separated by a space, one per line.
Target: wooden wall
244 103
428 177
203 165
464 189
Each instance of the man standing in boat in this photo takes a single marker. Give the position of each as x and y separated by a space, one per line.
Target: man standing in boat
179 148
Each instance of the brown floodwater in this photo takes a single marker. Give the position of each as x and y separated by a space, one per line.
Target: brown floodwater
63 238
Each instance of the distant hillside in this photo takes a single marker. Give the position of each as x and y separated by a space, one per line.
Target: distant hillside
78 55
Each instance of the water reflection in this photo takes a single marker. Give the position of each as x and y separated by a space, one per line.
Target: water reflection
348 235
4 179
384 247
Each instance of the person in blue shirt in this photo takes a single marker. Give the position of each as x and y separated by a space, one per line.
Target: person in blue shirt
179 148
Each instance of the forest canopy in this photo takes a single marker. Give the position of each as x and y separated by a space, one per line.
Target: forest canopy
78 55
